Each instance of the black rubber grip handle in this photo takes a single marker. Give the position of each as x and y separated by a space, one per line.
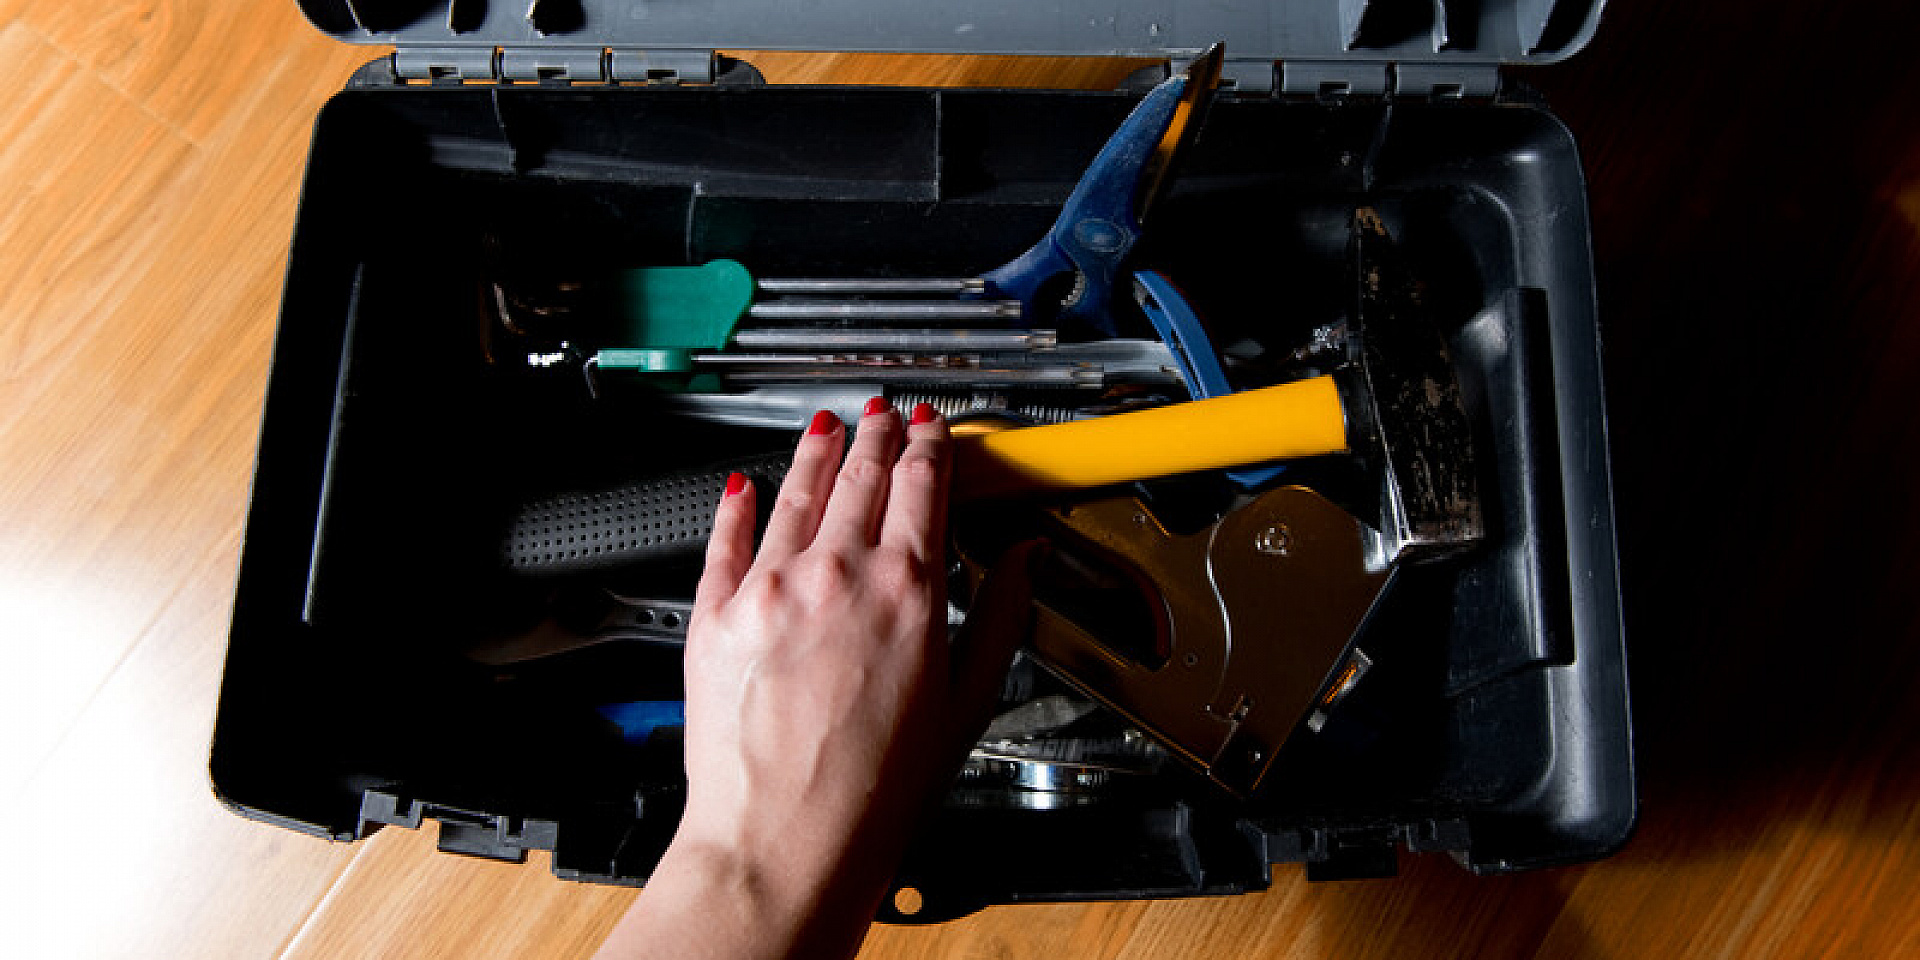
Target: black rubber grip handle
665 517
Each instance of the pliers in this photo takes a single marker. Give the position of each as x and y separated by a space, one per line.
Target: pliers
1102 218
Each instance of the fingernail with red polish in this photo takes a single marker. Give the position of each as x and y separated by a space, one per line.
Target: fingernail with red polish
924 413
823 423
877 405
736 484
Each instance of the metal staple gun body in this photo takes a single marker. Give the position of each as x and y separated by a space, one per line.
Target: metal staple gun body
1218 643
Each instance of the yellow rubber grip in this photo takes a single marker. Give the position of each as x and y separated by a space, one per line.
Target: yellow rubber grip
1300 419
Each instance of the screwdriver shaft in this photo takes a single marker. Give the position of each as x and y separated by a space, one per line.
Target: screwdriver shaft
886 310
977 377
830 338
906 285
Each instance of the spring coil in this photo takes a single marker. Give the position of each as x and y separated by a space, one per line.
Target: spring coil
954 404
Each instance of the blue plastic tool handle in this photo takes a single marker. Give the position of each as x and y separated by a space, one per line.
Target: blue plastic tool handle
1099 223
1179 327
637 719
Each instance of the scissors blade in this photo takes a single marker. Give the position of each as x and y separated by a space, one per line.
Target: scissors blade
1202 78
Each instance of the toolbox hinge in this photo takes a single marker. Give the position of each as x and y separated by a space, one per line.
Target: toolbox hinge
552 64
1251 78
468 832
1328 79
1446 81
628 65
446 63
1341 853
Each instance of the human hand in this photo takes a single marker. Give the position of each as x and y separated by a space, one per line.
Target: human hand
825 705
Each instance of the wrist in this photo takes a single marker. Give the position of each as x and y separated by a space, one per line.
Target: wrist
754 901
784 851
826 827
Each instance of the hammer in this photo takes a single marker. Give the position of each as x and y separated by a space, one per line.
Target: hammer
1396 403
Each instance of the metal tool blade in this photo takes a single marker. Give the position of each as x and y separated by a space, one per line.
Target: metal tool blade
1203 76
1409 404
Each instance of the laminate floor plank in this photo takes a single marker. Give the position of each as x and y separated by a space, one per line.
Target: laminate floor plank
82 166
140 263
476 908
139 858
187 62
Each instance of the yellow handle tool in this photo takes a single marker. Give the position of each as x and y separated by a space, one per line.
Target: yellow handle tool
1300 419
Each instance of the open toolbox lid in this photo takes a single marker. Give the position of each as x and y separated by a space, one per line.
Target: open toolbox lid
1426 47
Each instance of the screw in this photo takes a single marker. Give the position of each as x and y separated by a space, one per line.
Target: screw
1274 540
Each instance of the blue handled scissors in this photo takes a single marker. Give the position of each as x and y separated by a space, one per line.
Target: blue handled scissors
1102 218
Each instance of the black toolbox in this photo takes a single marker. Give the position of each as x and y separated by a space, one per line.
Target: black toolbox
577 136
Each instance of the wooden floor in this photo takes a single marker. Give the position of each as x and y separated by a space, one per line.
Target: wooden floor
1755 178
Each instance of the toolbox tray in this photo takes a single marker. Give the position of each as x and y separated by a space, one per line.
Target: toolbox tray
1494 726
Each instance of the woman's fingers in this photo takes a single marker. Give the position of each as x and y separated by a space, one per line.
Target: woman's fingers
880 494
860 492
916 519
729 546
803 495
